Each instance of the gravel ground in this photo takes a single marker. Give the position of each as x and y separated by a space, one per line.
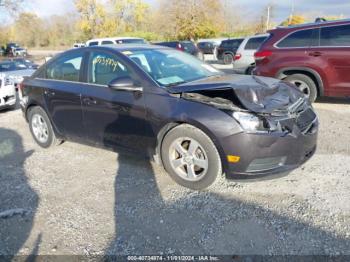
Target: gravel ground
75 199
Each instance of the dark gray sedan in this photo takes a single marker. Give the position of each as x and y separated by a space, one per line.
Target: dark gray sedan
193 119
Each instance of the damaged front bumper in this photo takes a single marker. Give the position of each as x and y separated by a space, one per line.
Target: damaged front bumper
263 155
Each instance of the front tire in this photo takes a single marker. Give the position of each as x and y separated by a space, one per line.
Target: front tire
41 128
305 84
190 157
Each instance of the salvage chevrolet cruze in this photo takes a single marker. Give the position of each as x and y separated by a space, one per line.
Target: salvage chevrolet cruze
193 119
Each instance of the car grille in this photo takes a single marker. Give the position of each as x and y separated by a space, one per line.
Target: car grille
306 119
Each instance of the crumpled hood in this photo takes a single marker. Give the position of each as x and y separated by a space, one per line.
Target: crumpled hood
257 94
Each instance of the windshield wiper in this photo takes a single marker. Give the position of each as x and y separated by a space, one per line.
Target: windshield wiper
175 83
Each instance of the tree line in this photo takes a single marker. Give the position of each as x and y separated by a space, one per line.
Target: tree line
166 20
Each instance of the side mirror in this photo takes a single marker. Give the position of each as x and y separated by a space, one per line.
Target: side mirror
124 84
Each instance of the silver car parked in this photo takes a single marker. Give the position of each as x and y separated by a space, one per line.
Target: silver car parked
244 61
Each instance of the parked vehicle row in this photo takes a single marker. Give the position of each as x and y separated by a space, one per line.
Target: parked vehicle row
115 40
13 64
185 46
315 57
13 49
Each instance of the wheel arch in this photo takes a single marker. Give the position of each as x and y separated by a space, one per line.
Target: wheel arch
314 75
169 126
229 53
33 104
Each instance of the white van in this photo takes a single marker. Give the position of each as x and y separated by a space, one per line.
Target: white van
115 40
244 61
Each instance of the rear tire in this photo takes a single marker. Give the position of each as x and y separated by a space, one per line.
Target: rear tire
305 84
249 70
228 59
41 128
190 157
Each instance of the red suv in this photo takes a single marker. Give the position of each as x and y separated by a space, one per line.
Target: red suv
315 57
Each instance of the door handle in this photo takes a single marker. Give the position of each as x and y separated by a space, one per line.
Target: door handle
315 54
89 101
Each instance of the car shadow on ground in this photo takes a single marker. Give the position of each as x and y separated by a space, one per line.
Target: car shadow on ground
153 216
334 100
18 201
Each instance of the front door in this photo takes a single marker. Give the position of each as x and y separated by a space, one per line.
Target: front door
114 118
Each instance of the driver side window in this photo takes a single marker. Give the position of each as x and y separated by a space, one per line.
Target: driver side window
104 67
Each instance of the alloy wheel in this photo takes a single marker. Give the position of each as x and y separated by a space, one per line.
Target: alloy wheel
302 86
188 159
40 128
228 59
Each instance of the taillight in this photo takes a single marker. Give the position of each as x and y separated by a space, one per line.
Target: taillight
179 47
237 57
20 86
260 55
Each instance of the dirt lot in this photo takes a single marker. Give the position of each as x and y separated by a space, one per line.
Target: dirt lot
74 199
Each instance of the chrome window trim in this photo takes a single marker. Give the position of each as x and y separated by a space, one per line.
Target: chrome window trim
275 45
72 82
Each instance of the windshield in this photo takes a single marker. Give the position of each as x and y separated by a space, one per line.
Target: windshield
171 67
231 43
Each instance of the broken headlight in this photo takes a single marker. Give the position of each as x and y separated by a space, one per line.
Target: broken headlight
251 123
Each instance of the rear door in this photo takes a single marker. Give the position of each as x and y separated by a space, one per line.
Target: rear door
62 87
293 51
114 118
334 55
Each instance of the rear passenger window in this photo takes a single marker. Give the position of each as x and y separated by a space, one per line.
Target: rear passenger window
254 43
104 67
335 36
231 43
66 68
107 42
93 43
300 38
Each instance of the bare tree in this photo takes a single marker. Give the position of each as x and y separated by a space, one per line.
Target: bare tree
11 6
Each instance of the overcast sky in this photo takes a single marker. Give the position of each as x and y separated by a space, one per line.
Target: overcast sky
249 9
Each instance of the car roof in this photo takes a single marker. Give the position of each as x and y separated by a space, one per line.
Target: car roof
176 41
114 38
259 35
312 25
127 47
233 39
